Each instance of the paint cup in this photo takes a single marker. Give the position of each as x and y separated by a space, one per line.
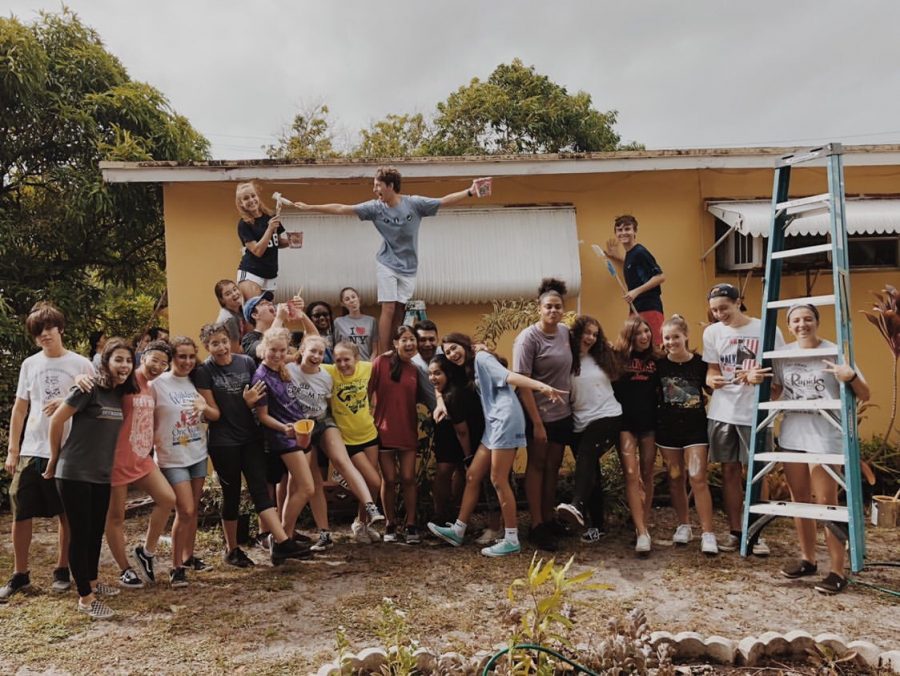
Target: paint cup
483 186
885 511
303 432
295 239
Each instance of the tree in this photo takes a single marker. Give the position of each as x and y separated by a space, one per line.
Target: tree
518 110
309 136
65 235
394 136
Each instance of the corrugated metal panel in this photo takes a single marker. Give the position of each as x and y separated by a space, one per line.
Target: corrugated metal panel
864 217
465 255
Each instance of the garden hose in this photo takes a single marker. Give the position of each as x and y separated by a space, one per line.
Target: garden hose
579 669
892 592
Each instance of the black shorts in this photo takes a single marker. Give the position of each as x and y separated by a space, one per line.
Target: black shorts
30 494
689 431
353 449
558 431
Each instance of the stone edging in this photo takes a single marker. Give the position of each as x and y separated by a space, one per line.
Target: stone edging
687 645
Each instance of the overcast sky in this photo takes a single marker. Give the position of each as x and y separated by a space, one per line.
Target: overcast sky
682 74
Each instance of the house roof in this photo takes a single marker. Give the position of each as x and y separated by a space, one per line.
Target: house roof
494 165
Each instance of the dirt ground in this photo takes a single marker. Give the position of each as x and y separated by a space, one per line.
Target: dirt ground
284 620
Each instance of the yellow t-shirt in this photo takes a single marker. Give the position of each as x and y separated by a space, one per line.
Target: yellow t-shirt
350 403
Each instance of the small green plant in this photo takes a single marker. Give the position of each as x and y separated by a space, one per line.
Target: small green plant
342 643
828 663
509 315
394 634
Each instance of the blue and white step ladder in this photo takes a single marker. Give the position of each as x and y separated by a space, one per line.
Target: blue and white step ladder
846 521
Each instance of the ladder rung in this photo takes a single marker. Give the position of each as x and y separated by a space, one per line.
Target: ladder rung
803 251
801 405
810 300
802 510
803 204
804 458
801 353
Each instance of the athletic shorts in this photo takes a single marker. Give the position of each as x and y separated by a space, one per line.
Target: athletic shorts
731 443
393 287
264 284
177 475
30 493
655 320
353 449
683 433
558 431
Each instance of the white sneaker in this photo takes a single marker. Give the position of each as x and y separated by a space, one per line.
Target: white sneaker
360 532
729 542
683 534
761 548
708 544
643 543
488 537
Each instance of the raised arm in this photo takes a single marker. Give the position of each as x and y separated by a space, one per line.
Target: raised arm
331 209
526 385
455 197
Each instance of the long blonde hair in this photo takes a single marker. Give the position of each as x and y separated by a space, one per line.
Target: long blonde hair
246 216
270 337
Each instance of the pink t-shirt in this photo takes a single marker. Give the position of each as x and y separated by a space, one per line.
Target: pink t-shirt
133 460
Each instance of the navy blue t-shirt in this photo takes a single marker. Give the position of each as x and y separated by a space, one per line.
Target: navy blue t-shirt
265 266
640 266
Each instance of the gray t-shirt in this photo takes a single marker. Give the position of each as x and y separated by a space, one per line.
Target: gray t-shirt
312 390
361 331
90 448
547 358
399 227
236 426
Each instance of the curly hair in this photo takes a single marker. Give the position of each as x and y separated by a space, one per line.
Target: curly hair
602 352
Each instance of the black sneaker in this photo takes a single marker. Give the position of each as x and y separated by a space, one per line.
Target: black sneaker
324 542
178 577
18 582
300 537
262 540
61 580
412 535
197 564
238 558
289 549
541 537
144 564
832 584
570 514
130 580
799 568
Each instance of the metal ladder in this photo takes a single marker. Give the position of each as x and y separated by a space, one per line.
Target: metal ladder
847 521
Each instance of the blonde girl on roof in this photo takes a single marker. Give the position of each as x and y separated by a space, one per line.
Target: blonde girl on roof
261 235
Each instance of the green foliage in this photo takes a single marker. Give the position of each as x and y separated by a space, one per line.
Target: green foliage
394 136
510 315
394 634
309 136
884 460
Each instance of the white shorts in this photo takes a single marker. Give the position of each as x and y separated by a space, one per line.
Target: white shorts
264 284
393 288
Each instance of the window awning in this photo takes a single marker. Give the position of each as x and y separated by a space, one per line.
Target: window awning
864 217
465 255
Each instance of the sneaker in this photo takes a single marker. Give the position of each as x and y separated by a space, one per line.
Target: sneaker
289 549
301 538
501 548
374 535
558 529
144 564
643 544
683 534
197 564
708 544
18 582
130 580
761 548
261 541
799 568
374 513
61 580
324 542
729 543
445 533
412 535
178 577
542 538
569 514
488 537
360 532
592 535
832 584
97 610
106 590
238 558
390 533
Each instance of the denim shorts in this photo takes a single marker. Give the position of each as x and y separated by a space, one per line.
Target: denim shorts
177 475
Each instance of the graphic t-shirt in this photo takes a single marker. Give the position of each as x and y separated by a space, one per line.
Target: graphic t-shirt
236 426
547 358
312 390
42 379
399 228
636 391
682 401
180 433
87 455
592 395
734 348
135 441
640 267
265 266
282 405
361 331
350 403
395 404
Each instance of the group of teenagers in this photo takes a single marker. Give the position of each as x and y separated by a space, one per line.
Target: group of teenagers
272 407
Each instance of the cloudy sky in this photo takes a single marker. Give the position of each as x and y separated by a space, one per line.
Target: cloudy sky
682 74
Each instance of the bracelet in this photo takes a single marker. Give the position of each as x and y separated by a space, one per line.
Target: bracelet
855 376
470 193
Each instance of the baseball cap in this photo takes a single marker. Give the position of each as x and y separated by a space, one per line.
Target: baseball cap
722 291
251 304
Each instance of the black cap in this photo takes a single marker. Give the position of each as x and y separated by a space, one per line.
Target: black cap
724 291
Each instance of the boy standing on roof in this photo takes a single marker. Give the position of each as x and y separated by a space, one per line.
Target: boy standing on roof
397 218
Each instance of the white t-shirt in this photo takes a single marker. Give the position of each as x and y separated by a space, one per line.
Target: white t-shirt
804 379
42 379
732 348
179 433
592 395
312 390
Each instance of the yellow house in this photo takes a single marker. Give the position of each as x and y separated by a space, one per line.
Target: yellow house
703 213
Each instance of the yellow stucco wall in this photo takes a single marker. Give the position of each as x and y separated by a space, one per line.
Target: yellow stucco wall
202 245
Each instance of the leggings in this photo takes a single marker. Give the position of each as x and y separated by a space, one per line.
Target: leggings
86 505
592 443
232 461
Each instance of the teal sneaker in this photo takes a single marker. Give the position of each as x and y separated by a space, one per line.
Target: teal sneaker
501 548
445 533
